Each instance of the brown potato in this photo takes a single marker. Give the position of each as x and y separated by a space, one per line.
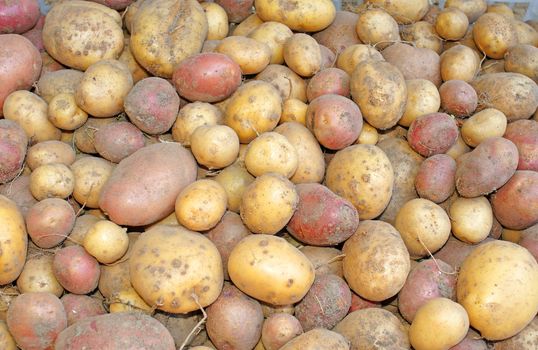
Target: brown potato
311 340
340 33
58 82
353 55
522 59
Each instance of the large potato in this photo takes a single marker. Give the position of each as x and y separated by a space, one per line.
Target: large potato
493 34
404 11
176 270
459 63
305 16
59 82
486 284
270 269
13 241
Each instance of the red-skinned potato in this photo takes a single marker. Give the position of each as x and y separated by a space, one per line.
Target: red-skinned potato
322 217
79 307
529 240
435 178
328 81
432 134
117 141
76 270
13 145
359 303
524 134
50 221
278 329
18 190
458 98
340 33
115 4
237 10
18 16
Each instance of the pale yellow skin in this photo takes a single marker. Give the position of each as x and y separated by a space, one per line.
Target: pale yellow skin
311 162
354 54
268 203
378 28
439 324
471 219
288 83
215 146
423 225
38 276
459 148
253 109
270 269
368 135
498 287
201 205
137 71
271 152
423 35
312 339
375 243
47 152
176 270
217 21
64 113
522 59
234 179
293 110
191 116
82 224
274 34
270 309
302 54
53 180
63 81
106 241
489 122
493 34
422 98
473 9
459 63
251 55
30 112
6 340
13 239
128 300
169 220
525 34
90 173
248 24
501 9
451 24
404 11
302 16
103 88
92 33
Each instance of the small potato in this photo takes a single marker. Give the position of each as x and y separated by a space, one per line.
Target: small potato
64 113
355 54
459 63
278 329
117 141
190 117
471 218
302 54
274 34
424 227
49 222
106 241
38 276
328 81
423 35
436 314
215 146
377 27
422 98
473 9
458 98
451 23
493 35
52 180
435 178
234 179
82 224
489 122
84 137
247 25
522 59
271 152
217 21
90 175
76 270
293 110
368 135
288 83
459 148
201 205
47 152
251 55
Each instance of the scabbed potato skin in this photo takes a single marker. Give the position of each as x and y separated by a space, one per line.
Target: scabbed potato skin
432 134
435 178
489 166
124 330
13 240
13 145
313 340
144 186
524 134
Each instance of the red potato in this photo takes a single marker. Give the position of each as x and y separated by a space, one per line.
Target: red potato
458 98
335 121
125 330
529 240
341 33
20 65
76 270
435 178
322 217
13 145
49 64
432 134
455 251
515 204
18 190
237 10
36 37
358 303
524 134
18 16
328 58
117 141
152 105
49 222
472 341
207 77
328 81
278 329
35 320
79 307
115 4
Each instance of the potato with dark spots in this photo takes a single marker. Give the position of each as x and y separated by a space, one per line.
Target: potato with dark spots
432 134
13 145
414 62
311 340
435 178
38 276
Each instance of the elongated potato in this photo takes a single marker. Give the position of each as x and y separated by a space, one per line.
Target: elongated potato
377 27
459 63
302 54
489 122
304 16
13 241
352 55
251 55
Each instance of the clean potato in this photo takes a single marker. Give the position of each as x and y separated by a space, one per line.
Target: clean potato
302 54
311 16
106 241
403 11
489 122
64 113
471 219
293 110
271 152
215 146
422 98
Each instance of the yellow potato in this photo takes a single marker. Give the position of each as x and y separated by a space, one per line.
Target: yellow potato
268 203
525 34
251 55
38 276
293 110
471 219
234 179
435 315
82 224
270 269
423 35
64 113
513 236
494 34
451 24
288 83
6 339
302 54
106 241
247 25
368 135
201 205
137 71
403 11
176 270
501 9
522 59
376 27
422 98
90 174
304 16
217 21
459 63
459 148
498 287
274 34
352 55
472 8
215 146
54 180
363 175
312 339
13 240
191 116
128 300
271 152
489 122
58 82
47 152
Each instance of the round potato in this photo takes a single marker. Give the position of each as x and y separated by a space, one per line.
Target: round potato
251 55
302 54
52 180
215 146
271 152
217 21
471 218
459 63
377 27
311 16
90 175
493 34
273 34
368 135
489 122
49 222
270 269
451 23
64 113
472 8
38 276
522 59
288 83
191 116
422 98
106 241
47 152
423 35
234 179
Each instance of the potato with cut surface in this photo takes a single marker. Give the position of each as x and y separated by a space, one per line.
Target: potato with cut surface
215 146
489 122
302 54
192 116
422 98
311 16
377 27
234 179
251 55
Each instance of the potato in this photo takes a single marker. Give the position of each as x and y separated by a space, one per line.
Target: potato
180 326
80 307
137 71
190 117
377 27
106 241
232 308
200 205
493 34
38 276
424 227
234 179
286 81
6 339
313 16
273 34
293 110
278 329
422 130
117 141
74 43
356 173
165 32
91 173
523 133
30 112
353 55
492 66
49 222
58 82
255 267
340 33
271 152
247 25
328 81
438 312
253 109
458 98
84 137
215 146
522 59
473 9
422 98
459 63
13 144
64 113
523 340
371 82
368 135
423 35
251 55
217 21
311 340
369 246
53 180
76 270
326 260
489 122
471 218
483 282
525 33
237 10
435 178
369 328
451 23
302 54
403 11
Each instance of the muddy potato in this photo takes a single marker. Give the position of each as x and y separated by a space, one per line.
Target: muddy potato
353 55
106 241
64 113
38 276
326 260
270 269
311 16
423 35
377 27
302 54
191 116
459 63
451 23
234 179
279 329
471 218
271 152
217 21
84 137
90 175
273 34
215 146
52 180
288 83
489 122
493 34
49 222
293 110
522 59
473 9
251 55
404 11
422 98
247 25
47 152
61 81
341 33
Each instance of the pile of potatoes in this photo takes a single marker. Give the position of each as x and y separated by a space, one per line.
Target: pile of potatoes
257 174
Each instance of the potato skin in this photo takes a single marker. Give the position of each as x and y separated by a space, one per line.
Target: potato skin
79 307
524 134
50 221
493 35
76 270
117 141
340 33
414 62
13 144
278 329
435 178
404 11
522 59
13 241
458 98
311 16
432 134
328 81
311 340
237 10
487 123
